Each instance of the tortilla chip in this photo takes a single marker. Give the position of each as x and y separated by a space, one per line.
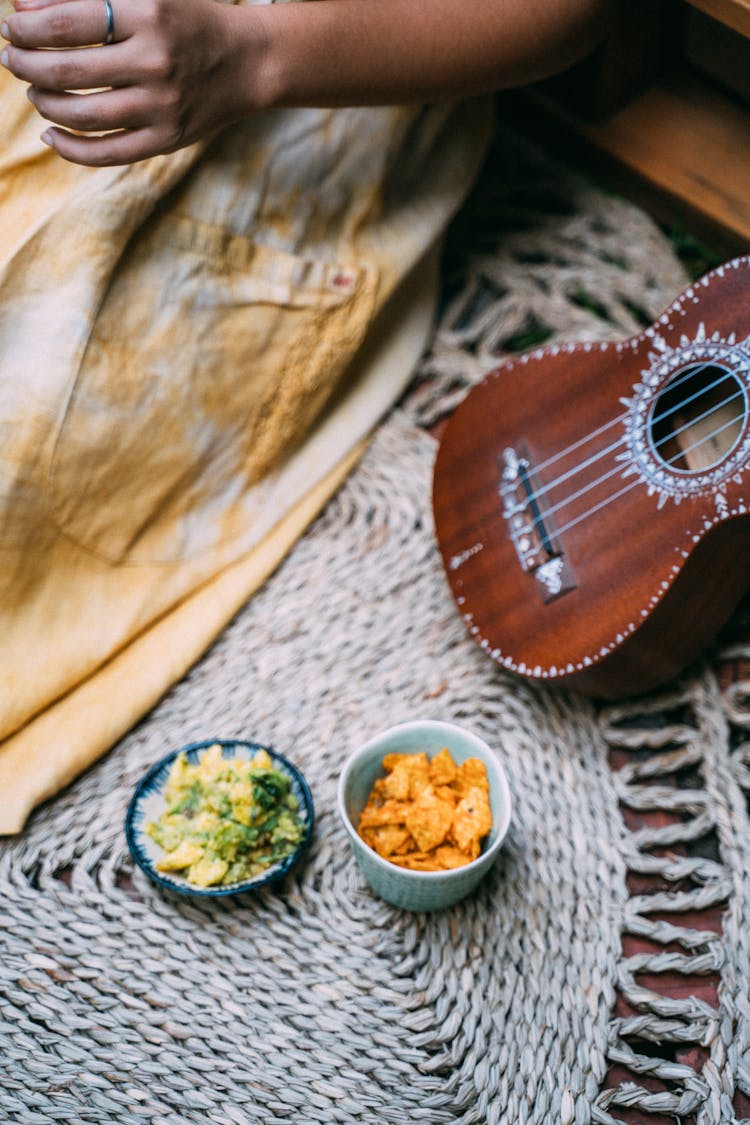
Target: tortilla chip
417 766
472 774
429 819
447 793
397 784
472 821
448 857
390 761
388 839
442 769
392 812
418 861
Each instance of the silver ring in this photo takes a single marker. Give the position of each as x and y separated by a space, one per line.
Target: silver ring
109 34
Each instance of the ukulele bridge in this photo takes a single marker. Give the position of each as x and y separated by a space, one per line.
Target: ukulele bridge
531 529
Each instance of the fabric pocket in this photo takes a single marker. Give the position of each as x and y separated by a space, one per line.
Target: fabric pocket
209 360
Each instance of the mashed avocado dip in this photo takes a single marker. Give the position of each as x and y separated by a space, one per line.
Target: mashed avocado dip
227 819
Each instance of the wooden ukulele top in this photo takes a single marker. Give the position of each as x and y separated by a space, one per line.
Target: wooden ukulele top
603 580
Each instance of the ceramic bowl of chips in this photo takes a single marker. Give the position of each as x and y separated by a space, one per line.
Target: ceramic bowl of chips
219 817
426 806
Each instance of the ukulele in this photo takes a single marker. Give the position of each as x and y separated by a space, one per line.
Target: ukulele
592 501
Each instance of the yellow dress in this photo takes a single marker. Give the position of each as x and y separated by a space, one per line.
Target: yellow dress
192 351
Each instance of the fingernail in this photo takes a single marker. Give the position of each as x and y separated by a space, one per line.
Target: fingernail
47 139
4 31
4 58
31 95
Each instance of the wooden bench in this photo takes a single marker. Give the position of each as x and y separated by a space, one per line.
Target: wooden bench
662 111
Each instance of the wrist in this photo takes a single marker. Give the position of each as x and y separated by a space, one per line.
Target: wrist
295 49
254 58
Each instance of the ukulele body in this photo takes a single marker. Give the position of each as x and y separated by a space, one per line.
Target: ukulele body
591 501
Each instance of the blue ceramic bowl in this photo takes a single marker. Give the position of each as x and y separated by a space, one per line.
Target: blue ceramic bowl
147 804
421 890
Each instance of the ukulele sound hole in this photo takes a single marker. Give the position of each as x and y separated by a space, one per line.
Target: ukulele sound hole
698 418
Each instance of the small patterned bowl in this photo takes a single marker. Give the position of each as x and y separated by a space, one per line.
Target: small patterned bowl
147 804
421 890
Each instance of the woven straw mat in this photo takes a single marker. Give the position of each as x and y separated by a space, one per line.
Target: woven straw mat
316 1002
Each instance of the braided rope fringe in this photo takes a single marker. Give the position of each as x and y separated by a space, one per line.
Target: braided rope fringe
735 837
672 742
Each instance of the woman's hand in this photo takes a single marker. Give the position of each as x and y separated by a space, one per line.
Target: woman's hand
172 73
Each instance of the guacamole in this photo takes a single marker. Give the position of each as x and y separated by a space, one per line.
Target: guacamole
227 819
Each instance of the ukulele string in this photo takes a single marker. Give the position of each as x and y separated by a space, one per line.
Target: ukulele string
686 374
618 468
544 489
633 484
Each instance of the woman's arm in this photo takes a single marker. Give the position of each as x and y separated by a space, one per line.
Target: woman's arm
354 52
179 69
